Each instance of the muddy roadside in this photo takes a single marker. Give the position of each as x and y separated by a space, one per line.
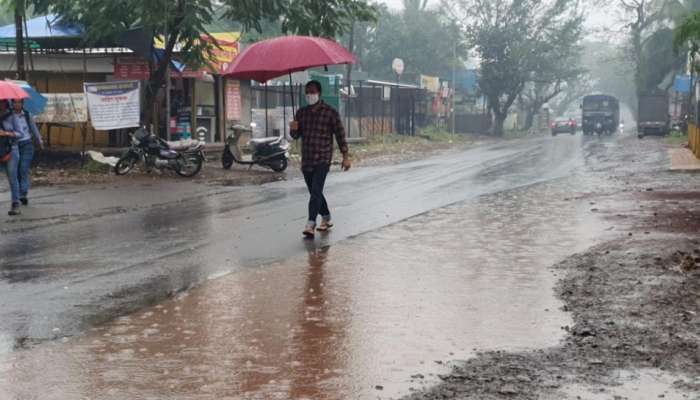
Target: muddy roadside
391 149
633 300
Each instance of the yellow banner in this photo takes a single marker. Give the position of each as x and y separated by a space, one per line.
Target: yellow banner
228 48
430 83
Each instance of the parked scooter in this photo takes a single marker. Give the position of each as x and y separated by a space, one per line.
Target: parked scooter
184 157
271 152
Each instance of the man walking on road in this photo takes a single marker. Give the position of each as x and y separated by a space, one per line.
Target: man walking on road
316 124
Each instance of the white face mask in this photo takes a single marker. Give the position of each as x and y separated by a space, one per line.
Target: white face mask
312 98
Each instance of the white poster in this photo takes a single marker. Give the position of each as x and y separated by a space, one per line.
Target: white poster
64 108
114 105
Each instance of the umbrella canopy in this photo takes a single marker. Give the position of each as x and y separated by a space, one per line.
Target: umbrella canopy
273 58
11 91
36 102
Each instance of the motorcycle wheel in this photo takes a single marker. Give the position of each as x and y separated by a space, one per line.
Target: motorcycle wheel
189 165
279 165
227 159
125 164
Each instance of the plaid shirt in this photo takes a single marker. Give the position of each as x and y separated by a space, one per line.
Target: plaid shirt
317 126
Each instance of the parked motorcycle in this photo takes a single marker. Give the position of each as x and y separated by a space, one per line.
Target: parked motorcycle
184 157
271 152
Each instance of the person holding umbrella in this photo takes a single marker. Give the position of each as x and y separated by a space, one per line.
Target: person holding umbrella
9 136
9 153
27 133
316 125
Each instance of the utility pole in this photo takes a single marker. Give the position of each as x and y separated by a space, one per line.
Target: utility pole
454 82
351 47
168 130
19 39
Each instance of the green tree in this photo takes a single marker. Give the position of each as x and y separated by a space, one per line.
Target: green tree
517 42
423 37
6 14
556 67
185 21
687 35
650 25
686 39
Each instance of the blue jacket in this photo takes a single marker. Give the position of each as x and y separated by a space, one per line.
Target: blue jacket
13 123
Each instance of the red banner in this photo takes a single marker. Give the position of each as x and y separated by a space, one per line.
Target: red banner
233 101
131 68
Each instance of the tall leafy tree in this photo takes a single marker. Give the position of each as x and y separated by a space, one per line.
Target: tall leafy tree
557 67
186 21
686 39
423 37
650 24
516 40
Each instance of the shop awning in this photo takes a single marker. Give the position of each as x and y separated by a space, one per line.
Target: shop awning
46 32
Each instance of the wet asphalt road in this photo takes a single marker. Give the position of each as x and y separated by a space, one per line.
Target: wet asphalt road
80 256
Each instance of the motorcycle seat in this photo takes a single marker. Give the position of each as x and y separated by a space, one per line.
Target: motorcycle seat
263 140
181 145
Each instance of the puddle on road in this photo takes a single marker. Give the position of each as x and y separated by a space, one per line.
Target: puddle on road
354 321
646 384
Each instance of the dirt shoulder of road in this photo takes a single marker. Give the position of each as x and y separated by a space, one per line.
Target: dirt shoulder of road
385 150
633 300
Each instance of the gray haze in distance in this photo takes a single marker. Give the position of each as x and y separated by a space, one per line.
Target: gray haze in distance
601 17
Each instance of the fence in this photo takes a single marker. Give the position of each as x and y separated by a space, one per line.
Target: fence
472 123
694 139
373 108
377 108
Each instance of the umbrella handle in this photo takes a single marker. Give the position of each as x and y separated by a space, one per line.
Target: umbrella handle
291 85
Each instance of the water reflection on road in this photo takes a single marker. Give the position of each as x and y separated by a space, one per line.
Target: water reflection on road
355 320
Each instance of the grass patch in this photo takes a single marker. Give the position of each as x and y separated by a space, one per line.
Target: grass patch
93 167
676 138
391 144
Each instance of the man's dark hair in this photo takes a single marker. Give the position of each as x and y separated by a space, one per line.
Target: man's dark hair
316 84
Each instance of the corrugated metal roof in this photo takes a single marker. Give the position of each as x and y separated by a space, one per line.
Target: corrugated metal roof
48 26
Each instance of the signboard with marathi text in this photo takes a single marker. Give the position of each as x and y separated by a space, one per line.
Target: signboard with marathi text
233 100
64 108
430 83
114 105
135 68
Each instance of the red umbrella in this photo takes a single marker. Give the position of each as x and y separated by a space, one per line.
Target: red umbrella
11 91
284 55
273 58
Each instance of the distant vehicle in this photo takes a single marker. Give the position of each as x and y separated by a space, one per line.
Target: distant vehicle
653 115
600 114
562 125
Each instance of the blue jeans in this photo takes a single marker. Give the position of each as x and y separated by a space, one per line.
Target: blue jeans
12 171
26 155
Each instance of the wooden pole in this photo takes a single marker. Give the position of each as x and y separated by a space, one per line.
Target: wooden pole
19 39
83 133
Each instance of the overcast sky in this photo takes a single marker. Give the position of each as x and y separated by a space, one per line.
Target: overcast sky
599 17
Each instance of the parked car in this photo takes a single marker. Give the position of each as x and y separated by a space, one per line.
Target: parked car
563 126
